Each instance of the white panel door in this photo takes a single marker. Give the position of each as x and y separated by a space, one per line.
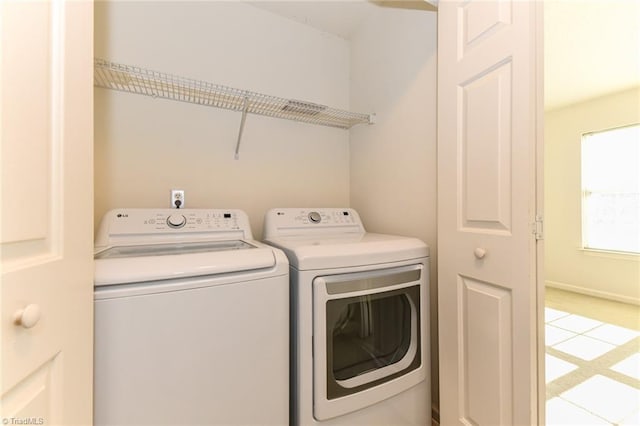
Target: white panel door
46 233
488 105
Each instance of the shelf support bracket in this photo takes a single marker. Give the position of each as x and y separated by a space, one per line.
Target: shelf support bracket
242 120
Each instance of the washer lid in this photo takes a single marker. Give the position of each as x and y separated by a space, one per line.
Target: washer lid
307 253
151 262
168 249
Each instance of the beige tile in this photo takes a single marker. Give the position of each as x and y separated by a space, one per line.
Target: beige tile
632 420
629 366
613 334
562 413
553 314
556 367
576 323
606 398
554 335
584 347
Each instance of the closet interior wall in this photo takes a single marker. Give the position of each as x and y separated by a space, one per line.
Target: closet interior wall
144 147
386 171
393 163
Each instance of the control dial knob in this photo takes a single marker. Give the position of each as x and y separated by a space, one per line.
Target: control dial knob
176 221
315 217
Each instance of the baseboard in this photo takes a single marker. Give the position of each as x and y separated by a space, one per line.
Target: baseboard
594 293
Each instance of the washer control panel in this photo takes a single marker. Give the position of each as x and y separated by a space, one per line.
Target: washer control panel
125 224
294 221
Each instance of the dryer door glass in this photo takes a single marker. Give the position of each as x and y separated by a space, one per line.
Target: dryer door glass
369 333
371 339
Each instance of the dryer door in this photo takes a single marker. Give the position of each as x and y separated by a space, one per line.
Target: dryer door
368 330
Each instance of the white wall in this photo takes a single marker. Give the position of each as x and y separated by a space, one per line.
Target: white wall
567 266
393 163
144 147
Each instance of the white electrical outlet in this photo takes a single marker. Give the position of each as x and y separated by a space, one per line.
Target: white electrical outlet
177 198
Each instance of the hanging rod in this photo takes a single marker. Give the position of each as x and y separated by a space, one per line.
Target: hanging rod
142 81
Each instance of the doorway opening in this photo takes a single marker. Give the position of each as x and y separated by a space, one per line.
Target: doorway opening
592 213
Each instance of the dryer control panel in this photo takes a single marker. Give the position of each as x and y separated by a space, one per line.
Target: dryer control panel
312 221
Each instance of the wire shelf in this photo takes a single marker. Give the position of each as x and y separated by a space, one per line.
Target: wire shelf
142 81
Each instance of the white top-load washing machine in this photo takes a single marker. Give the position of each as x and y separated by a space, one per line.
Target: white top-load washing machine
359 315
191 321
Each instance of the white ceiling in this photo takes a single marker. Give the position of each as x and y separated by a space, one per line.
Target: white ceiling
338 17
341 18
592 47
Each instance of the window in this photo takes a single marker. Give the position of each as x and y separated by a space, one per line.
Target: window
611 190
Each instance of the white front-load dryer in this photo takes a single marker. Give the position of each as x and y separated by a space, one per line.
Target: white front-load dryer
359 318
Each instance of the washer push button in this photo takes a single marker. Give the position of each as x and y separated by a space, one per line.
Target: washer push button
315 217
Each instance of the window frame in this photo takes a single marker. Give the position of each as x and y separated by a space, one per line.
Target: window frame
585 192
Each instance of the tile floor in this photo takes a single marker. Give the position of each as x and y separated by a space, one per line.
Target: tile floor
592 364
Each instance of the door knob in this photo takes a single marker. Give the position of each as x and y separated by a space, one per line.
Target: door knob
28 316
479 253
